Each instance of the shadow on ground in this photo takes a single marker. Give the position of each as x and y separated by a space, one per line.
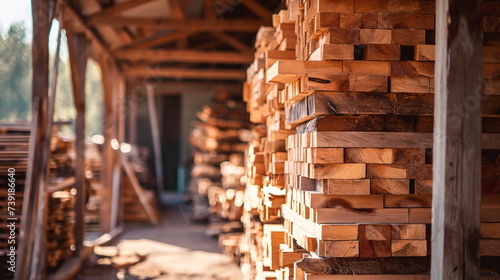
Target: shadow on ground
174 250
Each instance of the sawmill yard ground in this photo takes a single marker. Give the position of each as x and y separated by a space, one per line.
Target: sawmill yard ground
174 250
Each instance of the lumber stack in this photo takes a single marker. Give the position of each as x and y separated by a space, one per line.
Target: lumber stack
61 226
265 192
217 182
14 146
359 99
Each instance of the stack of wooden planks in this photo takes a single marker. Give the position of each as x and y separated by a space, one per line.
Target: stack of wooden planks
61 226
266 156
217 182
359 101
14 146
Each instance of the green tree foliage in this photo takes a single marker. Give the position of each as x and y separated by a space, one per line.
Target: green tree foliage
15 84
15 75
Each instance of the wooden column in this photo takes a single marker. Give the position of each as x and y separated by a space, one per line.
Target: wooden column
108 154
457 131
31 253
77 45
155 133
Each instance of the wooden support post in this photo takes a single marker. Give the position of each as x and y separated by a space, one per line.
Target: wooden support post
132 119
108 155
77 45
153 116
119 105
457 154
32 243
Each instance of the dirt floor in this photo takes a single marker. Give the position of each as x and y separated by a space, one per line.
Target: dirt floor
174 250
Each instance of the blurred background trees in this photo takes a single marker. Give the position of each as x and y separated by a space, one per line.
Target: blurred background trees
15 83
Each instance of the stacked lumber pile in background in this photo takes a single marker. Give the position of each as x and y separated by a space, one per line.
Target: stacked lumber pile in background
14 148
61 221
133 209
359 102
217 183
265 192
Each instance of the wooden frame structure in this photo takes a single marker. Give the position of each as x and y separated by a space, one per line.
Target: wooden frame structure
147 53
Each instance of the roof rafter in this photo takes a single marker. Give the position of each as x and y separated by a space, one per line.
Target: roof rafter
162 55
187 24
156 40
184 73
118 8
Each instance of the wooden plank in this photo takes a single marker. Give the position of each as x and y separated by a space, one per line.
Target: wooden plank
407 201
375 36
346 187
350 139
375 232
332 215
288 71
374 248
324 155
457 182
409 248
318 200
341 249
390 186
408 37
338 171
366 67
359 266
408 231
425 52
382 52
410 84
339 232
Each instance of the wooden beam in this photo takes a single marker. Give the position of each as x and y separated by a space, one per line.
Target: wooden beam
155 134
75 19
108 70
31 260
183 73
135 86
118 8
162 55
156 40
457 153
187 24
77 46
233 42
259 10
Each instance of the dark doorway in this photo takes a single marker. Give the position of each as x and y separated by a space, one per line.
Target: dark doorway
170 138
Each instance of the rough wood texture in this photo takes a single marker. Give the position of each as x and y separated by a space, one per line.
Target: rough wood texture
457 182
365 265
77 46
32 250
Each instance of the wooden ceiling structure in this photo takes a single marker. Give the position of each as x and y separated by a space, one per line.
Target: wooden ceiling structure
173 40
